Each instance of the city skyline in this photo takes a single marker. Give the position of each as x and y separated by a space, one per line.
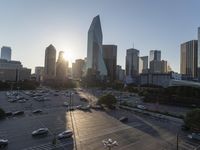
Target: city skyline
147 25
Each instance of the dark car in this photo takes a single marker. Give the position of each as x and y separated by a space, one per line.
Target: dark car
123 119
18 113
3 143
83 99
185 128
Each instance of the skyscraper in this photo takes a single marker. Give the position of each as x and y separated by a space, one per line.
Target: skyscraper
198 56
95 60
50 62
61 67
39 72
6 53
189 62
110 59
132 62
77 68
155 55
157 66
145 64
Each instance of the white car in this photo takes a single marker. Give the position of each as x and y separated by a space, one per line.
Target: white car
141 107
66 104
65 134
3 143
40 131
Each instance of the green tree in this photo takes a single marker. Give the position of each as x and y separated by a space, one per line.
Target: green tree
192 119
108 100
2 113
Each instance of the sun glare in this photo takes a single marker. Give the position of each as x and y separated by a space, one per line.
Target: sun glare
69 57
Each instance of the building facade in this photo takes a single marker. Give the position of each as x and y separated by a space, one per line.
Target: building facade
132 62
155 55
39 73
6 53
158 66
78 68
120 73
110 59
189 58
50 62
158 79
61 67
144 64
95 60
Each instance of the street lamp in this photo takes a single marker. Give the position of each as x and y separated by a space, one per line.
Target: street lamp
109 143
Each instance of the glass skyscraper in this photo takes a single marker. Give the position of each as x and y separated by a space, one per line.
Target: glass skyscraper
95 60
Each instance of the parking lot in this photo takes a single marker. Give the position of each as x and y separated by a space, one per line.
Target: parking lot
90 127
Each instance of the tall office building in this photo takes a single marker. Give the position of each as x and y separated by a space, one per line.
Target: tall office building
110 59
155 55
198 56
132 62
189 62
6 53
120 73
50 62
95 60
144 64
61 67
39 72
78 68
158 66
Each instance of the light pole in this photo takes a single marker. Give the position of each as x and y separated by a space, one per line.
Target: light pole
109 143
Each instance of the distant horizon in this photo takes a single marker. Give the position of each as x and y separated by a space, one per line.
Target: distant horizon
31 26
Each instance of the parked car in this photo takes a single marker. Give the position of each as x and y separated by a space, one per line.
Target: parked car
195 136
83 99
65 134
40 131
18 113
3 143
37 111
22 101
66 104
141 107
123 119
184 127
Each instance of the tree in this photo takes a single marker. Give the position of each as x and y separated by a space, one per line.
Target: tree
192 119
108 100
2 113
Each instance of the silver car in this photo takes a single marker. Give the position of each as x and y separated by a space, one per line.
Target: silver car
40 131
65 134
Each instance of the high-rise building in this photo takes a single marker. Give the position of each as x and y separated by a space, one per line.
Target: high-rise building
120 73
189 62
198 56
39 73
78 68
155 55
50 62
6 53
110 59
144 64
158 66
61 67
95 60
132 62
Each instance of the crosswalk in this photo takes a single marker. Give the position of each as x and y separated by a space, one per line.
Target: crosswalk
50 146
187 145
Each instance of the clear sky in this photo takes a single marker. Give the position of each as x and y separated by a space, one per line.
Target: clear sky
29 26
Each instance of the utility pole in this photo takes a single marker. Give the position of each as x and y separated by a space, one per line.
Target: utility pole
177 138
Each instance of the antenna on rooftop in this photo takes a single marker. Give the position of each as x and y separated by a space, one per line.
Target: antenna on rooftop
133 45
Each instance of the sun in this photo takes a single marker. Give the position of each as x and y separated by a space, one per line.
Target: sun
68 56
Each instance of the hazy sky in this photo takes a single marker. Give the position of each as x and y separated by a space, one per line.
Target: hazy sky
29 26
